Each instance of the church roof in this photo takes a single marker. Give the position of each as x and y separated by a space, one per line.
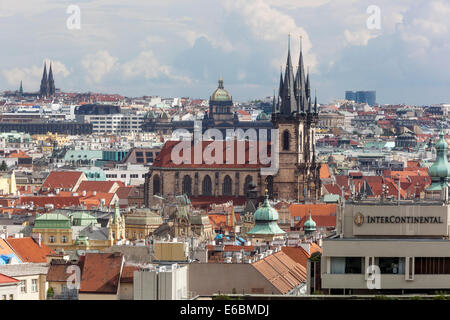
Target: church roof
164 159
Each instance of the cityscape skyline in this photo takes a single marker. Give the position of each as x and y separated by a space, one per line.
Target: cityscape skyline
173 51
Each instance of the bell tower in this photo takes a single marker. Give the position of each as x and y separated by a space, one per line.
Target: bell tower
298 177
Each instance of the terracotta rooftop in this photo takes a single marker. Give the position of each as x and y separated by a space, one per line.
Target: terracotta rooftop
5 279
318 209
101 273
62 180
279 269
98 186
164 159
128 274
28 250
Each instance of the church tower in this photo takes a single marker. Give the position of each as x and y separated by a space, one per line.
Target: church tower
43 91
298 177
51 82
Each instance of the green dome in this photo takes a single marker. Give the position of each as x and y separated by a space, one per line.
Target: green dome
441 167
310 225
221 94
266 212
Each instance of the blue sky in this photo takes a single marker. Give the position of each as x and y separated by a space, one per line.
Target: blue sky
181 47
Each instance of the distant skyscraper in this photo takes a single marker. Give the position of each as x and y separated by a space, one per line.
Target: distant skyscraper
368 97
350 95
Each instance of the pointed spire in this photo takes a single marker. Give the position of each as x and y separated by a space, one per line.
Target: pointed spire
274 108
43 91
21 88
315 101
220 82
51 81
307 86
300 81
288 103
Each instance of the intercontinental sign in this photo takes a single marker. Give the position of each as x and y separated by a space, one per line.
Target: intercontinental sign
404 220
360 219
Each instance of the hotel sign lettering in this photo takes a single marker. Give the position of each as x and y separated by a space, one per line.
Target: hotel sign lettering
360 219
403 221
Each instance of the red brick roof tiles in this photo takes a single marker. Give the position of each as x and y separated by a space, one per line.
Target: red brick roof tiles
62 180
279 269
164 159
101 273
28 250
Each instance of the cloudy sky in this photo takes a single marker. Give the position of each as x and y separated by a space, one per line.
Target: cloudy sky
181 47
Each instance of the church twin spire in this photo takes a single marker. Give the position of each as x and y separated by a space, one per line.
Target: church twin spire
47 88
294 94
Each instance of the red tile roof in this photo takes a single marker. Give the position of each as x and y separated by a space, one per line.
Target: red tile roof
5 279
128 274
283 272
98 186
319 209
62 180
101 273
28 250
58 202
164 159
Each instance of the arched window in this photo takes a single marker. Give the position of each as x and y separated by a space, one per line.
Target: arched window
286 138
156 185
248 182
269 186
207 186
227 186
187 185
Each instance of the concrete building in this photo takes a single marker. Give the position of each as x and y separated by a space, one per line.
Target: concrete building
161 283
404 247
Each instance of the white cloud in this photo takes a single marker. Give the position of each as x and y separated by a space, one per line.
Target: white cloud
360 37
98 64
31 76
147 65
269 24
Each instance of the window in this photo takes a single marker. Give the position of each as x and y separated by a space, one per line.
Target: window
11 297
139 154
23 286
207 186
248 182
64 239
133 176
430 265
123 176
353 265
187 185
140 160
227 186
149 154
51 239
286 139
156 185
391 265
346 265
34 287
